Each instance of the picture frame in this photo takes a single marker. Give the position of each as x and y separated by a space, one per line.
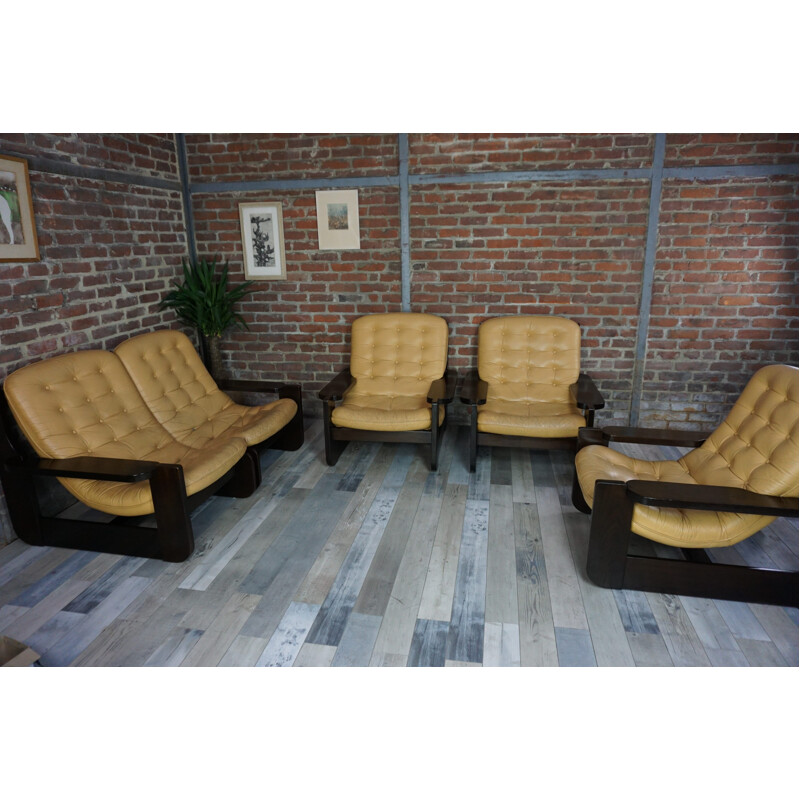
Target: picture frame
337 220
18 241
262 241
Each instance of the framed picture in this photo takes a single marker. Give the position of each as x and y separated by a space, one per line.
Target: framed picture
17 229
262 238
337 220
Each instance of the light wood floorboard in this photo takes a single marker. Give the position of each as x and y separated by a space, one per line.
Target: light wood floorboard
379 562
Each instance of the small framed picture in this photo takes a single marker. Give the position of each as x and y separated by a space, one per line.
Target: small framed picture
337 220
262 239
18 240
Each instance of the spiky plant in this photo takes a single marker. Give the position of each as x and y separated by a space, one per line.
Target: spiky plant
203 300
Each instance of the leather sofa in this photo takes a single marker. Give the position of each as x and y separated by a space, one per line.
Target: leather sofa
140 431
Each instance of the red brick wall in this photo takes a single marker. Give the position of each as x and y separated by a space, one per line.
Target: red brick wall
725 294
299 328
108 249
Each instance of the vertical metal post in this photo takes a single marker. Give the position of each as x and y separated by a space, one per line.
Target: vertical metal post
405 225
183 170
648 273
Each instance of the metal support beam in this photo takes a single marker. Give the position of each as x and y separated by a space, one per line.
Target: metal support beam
405 225
648 274
188 214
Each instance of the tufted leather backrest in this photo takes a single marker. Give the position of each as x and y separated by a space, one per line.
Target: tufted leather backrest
82 403
756 446
173 380
531 357
398 353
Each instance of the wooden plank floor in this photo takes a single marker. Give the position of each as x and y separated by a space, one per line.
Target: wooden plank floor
378 562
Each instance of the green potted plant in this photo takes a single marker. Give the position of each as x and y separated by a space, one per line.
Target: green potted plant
204 301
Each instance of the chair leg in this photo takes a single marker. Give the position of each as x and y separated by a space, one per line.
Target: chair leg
435 435
333 448
293 434
175 536
610 534
578 500
473 437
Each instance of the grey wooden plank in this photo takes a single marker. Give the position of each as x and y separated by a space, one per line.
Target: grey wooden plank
18 558
315 655
66 649
175 648
459 467
63 572
782 630
217 558
479 481
501 645
376 589
465 633
329 624
574 648
243 652
289 637
761 654
319 579
740 619
635 612
215 640
563 585
502 604
428 644
522 477
719 643
680 637
649 649
501 466
358 639
440 579
537 638
611 647
29 622
53 630
9 615
287 561
309 521
397 627
358 467
101 588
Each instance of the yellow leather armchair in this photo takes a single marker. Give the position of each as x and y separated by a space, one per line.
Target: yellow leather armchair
729 486
396 388
528 390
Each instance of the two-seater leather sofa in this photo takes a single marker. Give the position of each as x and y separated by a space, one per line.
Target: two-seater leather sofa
139 432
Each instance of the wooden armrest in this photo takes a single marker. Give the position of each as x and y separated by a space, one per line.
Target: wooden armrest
654 436
587 395
336 388
101 469
712 498
474 390
443 390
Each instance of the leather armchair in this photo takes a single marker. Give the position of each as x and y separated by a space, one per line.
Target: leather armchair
396 388
732 484
528 390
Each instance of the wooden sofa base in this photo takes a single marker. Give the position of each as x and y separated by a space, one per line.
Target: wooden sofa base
610 565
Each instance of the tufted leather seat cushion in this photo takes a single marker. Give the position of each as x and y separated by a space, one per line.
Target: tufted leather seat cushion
85 404
394 358
184 398
529 363
755 448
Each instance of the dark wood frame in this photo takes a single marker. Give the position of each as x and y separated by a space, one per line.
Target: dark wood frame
474 393
172 538
440 393
610 564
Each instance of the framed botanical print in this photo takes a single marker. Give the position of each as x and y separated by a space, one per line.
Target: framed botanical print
262 240
18 240
337 220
